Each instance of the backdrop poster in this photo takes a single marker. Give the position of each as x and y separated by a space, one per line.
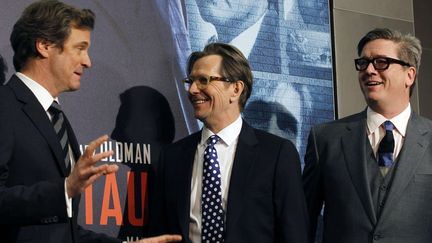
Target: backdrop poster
134 94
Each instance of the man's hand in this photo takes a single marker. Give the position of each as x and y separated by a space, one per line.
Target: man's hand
85 172
161 239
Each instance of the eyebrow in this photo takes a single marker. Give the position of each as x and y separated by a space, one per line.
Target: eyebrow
376 56
82 43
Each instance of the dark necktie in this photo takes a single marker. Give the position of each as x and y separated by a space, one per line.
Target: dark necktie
58 121
386 146
211 197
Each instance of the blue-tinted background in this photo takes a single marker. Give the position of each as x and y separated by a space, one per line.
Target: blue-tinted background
133 91
289 48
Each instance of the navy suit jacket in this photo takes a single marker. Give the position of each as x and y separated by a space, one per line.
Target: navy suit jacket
265 198
32 174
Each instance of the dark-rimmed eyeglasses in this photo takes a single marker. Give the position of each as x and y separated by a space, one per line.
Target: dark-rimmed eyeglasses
379 63
202 81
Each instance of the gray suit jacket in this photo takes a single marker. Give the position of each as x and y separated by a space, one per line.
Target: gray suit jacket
335 175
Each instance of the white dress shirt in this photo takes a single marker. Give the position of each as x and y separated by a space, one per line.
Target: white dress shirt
225 148
46 99
376 131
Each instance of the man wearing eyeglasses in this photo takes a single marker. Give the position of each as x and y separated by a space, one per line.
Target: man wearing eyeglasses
228 182
373 170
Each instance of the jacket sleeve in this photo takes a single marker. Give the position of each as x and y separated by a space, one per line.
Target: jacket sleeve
157 212
312 184
42 202
292 220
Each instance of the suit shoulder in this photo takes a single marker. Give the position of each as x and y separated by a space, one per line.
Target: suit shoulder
186 141
6 93
337 124
7 98
272 139
426 121
266 135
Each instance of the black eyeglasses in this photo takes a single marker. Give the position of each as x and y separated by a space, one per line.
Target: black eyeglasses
379 63
202 81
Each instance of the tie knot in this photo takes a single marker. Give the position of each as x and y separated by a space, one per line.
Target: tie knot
55 108
388 125
212 140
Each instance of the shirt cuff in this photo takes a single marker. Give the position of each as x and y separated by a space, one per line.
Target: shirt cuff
68 202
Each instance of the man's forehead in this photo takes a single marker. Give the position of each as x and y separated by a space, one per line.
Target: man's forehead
380 47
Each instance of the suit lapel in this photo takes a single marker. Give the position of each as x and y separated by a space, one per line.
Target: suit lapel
415 144
33 109
244 159
355 157
184 167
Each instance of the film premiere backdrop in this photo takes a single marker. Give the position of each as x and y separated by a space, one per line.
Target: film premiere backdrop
133 91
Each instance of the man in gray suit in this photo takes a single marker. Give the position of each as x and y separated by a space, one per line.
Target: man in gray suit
375 180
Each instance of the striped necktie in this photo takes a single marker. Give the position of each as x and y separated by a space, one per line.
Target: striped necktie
58 121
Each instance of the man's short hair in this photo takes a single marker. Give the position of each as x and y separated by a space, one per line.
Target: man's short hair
48 20
234 66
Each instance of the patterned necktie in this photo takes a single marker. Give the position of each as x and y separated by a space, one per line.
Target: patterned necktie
386 146
58 121
211 198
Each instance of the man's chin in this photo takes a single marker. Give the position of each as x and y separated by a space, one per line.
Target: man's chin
73 88
199 116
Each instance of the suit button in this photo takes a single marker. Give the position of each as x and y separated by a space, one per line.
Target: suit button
383 187
376 237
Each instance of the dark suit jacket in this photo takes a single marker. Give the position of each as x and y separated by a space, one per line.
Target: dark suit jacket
335 173
32 174
265 198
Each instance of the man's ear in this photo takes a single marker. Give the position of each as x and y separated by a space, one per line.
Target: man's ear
412 72
43 47
238 89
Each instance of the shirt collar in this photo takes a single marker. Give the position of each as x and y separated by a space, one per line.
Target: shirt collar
243 40
42 94
374 120
228 135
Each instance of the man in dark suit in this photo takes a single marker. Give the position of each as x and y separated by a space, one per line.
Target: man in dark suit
252 187
372 170
41 171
